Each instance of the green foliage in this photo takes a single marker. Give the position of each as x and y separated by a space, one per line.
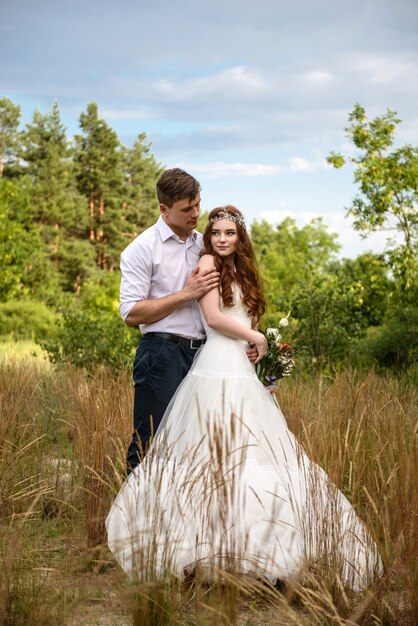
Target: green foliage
388 182
335 307
9 123
287 256
74 260
26 319
101 293
89 339
118 185
330 320
368 277
56 205
72 206
394 344
45 153
91 333
141 209
202 221
331 302
24 269
100 178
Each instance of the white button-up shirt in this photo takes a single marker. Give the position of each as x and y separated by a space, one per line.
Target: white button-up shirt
156 264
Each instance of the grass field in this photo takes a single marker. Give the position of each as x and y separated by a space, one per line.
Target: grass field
63 436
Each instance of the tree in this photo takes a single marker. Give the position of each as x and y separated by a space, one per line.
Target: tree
388 181
45 153
100 176
56 205
368 276
9 123
329 319
142 172
24 269
335 307
82 201
288 256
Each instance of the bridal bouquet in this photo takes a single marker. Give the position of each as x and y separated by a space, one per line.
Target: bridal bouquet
278 362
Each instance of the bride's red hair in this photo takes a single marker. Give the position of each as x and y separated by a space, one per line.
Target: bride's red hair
245 272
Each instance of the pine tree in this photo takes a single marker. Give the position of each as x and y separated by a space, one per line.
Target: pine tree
142 170
9 123
56 205
100 177
45 152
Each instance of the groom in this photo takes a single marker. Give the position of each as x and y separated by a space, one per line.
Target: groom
159 290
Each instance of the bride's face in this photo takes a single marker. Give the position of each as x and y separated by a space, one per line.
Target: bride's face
224 238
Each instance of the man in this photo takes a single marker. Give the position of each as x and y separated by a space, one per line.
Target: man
159 290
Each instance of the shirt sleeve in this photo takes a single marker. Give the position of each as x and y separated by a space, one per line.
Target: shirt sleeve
136 268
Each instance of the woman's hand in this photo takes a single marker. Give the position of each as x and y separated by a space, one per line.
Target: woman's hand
260 344
252 353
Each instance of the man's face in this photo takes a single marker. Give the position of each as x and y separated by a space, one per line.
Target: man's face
182 216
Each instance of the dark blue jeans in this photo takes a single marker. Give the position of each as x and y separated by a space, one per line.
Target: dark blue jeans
159 368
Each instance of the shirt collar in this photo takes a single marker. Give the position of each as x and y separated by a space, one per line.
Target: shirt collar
166 232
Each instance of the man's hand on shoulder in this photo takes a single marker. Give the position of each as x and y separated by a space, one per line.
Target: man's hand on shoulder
200 281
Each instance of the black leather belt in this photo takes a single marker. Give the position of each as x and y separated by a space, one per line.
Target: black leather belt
193 344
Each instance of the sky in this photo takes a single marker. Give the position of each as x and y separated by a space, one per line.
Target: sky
248 96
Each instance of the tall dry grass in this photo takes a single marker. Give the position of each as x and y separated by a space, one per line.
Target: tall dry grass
363 432
63 437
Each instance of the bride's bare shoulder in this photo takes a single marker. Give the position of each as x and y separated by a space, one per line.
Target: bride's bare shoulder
207 261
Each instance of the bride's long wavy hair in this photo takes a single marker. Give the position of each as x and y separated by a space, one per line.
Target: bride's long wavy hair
245 273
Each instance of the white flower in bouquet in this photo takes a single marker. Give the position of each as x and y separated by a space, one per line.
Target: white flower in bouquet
284 322
275 333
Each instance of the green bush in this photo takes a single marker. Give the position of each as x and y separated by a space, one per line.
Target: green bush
101 292
394 344
87 338
26 319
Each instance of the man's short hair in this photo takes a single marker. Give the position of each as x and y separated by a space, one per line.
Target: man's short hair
176 184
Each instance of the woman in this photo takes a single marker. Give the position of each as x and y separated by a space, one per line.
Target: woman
225 483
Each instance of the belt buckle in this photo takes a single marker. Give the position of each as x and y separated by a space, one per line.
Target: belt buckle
192 347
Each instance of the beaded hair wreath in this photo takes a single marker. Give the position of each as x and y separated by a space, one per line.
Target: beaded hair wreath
226 215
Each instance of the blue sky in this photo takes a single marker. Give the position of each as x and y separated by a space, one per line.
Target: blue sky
248 96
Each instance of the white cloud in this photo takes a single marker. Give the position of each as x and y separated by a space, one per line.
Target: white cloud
232 81
131 114
299 164
219 169
318 77
384 68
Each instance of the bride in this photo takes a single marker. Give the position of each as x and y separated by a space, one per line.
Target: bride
225 484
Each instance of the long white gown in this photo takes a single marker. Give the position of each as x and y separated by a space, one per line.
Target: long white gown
226 485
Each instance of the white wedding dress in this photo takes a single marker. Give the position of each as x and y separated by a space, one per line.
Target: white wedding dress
226 485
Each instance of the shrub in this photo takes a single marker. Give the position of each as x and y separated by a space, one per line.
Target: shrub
87 338
26 319
395 343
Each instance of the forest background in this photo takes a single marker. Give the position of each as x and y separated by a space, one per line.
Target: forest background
70 205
